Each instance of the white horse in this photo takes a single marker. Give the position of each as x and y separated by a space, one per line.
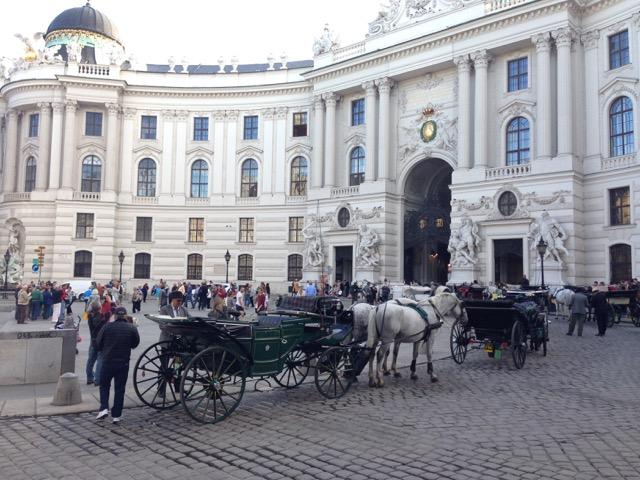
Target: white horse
564 298
397 322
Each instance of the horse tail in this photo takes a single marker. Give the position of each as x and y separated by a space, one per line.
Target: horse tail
372 329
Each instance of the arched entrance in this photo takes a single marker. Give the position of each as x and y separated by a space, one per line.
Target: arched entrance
427 219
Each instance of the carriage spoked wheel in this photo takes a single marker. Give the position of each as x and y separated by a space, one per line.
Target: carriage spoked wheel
294 370
334 372
519 344
545 336
156 376
459 342
611 316
213 384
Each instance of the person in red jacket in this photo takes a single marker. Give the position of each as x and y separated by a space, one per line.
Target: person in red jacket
261 301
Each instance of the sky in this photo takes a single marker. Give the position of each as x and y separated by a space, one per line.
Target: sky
201 30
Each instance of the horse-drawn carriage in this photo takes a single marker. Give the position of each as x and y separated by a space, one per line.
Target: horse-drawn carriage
498 326
206 364
623 304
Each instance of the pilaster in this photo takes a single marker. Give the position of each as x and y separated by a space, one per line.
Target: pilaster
9 167
544 121
128 174
590 42
370 130
56 145
69 146
42 168
230 167
564 38
384 128
481 61
330 100
179 163
317 162
464 110
113 140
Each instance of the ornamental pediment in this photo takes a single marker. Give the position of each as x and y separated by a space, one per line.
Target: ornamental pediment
354 140
30 148
516 107
298 149
248 151
621 85
199 150
147 149
95 146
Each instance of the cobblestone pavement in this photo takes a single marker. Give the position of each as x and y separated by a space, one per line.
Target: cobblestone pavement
571 415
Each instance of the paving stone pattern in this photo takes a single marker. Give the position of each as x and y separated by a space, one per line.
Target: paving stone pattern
571 415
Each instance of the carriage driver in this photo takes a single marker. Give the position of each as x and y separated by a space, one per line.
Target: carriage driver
173 309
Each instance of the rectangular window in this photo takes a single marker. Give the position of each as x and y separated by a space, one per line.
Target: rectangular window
620 206
300 124
251 127
201 129
246 230
517 72
357 112
84 225
93 124
143 229
142 266
34 121
619 49
148 127
295 229
196 230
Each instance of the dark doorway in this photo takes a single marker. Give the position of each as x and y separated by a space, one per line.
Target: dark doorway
507 256
344 264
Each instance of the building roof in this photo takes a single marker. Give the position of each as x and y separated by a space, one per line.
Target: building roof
84 18
246 68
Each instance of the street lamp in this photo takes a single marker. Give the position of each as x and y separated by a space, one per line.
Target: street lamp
7 257
227 258
542 250
121 259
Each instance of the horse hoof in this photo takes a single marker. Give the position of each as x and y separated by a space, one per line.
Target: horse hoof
372 383
414 376
397 375
380 384
434 379
387 373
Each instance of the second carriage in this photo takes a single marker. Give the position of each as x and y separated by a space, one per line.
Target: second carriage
206 364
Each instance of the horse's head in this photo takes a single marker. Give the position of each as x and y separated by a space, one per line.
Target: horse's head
446 303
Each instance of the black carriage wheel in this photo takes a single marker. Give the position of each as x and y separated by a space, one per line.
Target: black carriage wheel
611 316
294 370
519 344
459 342
156 376
213 384
334 372
545 336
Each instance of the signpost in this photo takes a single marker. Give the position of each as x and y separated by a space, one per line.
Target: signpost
38 263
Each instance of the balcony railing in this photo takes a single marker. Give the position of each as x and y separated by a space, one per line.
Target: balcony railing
508 171
198 201
618 162
247 201
349 51
99 70
295 199
17 196
145 200
88 196
495 5
338 192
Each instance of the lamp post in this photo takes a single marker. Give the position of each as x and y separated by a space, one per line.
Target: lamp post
121 259
7 257
227 258
542 250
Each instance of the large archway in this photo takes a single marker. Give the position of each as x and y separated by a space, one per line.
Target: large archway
427 219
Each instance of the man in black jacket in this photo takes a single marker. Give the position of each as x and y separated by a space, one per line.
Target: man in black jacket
115 341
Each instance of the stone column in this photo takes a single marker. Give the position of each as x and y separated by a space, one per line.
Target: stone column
69 146
564 39
166 164
544 121
230 165
464 110
56 146
128 175
592 129
218 151
111 162
384 128
317 161
179 162
330 100
481 115
370 131
279 182
9 167
42 168
267 160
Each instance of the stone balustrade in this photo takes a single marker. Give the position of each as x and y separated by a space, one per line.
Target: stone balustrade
145 200
339 192
296 199
17 196
495 5
97 70
87 196
508 171
622 161
198 201
247 201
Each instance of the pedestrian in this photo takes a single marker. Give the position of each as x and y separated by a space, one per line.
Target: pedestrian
115 341
23 304
240 301
601 310
94 358
36 303
579 307
145 291
47 298
136 299
261 301
310 290
57 303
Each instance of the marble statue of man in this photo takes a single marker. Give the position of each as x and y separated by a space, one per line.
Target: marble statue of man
368 246
551 232
463 243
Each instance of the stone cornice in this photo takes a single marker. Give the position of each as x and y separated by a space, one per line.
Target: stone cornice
217 92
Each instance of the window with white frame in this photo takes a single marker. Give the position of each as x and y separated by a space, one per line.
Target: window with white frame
518 141
621 127
619 49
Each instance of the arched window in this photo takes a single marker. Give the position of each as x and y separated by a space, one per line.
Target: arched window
245 267
142 266
147 178
294 267
194 266
299 177
518 141
30 175
91 174
356 170
199 179
82 264
620 262
249 178
621 127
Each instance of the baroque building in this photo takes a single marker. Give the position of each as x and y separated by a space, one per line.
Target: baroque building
444 146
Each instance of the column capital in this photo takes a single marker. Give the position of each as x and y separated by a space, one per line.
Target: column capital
71 105
564 36
542 41
590 39
12 113
57 107
168 114
384 84
331 99
112 108
281 113
232 115
268 113
181 115
481 59
129 113
44 107
635 18
463 63
369 87
218 116
318 103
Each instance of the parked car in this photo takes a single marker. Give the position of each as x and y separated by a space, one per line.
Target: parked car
78 287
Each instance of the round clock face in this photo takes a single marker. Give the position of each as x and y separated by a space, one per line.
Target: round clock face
344 217
428 131
507 204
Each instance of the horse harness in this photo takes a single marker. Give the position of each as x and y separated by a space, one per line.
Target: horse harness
428 327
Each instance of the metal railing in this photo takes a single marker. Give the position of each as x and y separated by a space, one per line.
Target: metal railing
338 192
508 171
